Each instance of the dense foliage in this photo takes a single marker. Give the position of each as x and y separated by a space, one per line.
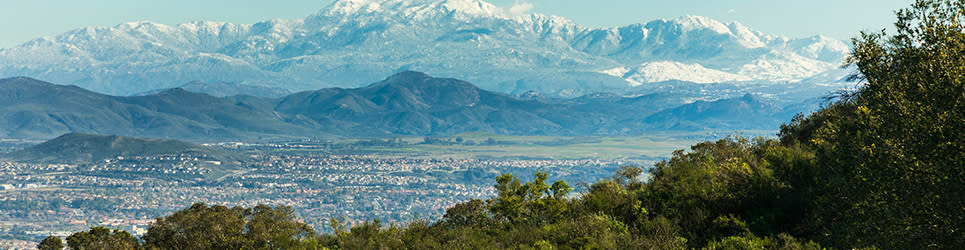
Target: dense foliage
882 167
894 152
99 238
218 227
51 243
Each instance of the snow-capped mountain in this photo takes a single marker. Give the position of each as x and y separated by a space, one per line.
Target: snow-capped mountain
667 71
355 42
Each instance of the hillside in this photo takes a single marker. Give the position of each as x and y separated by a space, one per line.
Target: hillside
414 103
86 148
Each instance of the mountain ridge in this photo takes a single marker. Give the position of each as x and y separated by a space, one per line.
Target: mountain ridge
407 104
223 89
348 44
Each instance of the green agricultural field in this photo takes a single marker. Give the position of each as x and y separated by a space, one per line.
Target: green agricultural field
484 145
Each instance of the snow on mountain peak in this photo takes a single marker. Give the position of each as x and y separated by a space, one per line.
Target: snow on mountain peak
666 70
690 23
745 36
349 42
417 9
748 37
144 26
472 7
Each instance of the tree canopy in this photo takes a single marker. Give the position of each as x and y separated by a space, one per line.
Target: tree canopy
891 154
219 227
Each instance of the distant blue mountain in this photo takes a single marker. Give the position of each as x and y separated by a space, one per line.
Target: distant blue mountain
407 103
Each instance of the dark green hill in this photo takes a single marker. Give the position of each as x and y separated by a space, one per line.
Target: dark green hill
35 109
414 103
86 148
216 117
408 103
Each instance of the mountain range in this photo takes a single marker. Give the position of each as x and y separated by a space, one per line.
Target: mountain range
351 43
408 103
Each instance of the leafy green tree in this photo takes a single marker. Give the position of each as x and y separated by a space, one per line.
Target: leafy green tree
748 242
533 203
218 227
658 233
715 179
371 235
51 243
275 228
598 231
102 238
751 242
795 167
629 177
892 154
199 227
472 213
508 204
420 234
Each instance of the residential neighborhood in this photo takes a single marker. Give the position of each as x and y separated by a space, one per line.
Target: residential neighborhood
37 200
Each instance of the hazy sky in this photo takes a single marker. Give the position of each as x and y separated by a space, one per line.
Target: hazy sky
23 20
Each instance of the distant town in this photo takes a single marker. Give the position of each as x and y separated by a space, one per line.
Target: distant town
38 200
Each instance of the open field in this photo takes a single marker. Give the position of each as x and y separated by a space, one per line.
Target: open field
485 145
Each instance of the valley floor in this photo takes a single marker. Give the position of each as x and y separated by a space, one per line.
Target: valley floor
394 179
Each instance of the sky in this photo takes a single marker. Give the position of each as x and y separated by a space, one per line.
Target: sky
24 20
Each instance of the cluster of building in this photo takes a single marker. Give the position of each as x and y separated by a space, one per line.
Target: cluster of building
129 193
